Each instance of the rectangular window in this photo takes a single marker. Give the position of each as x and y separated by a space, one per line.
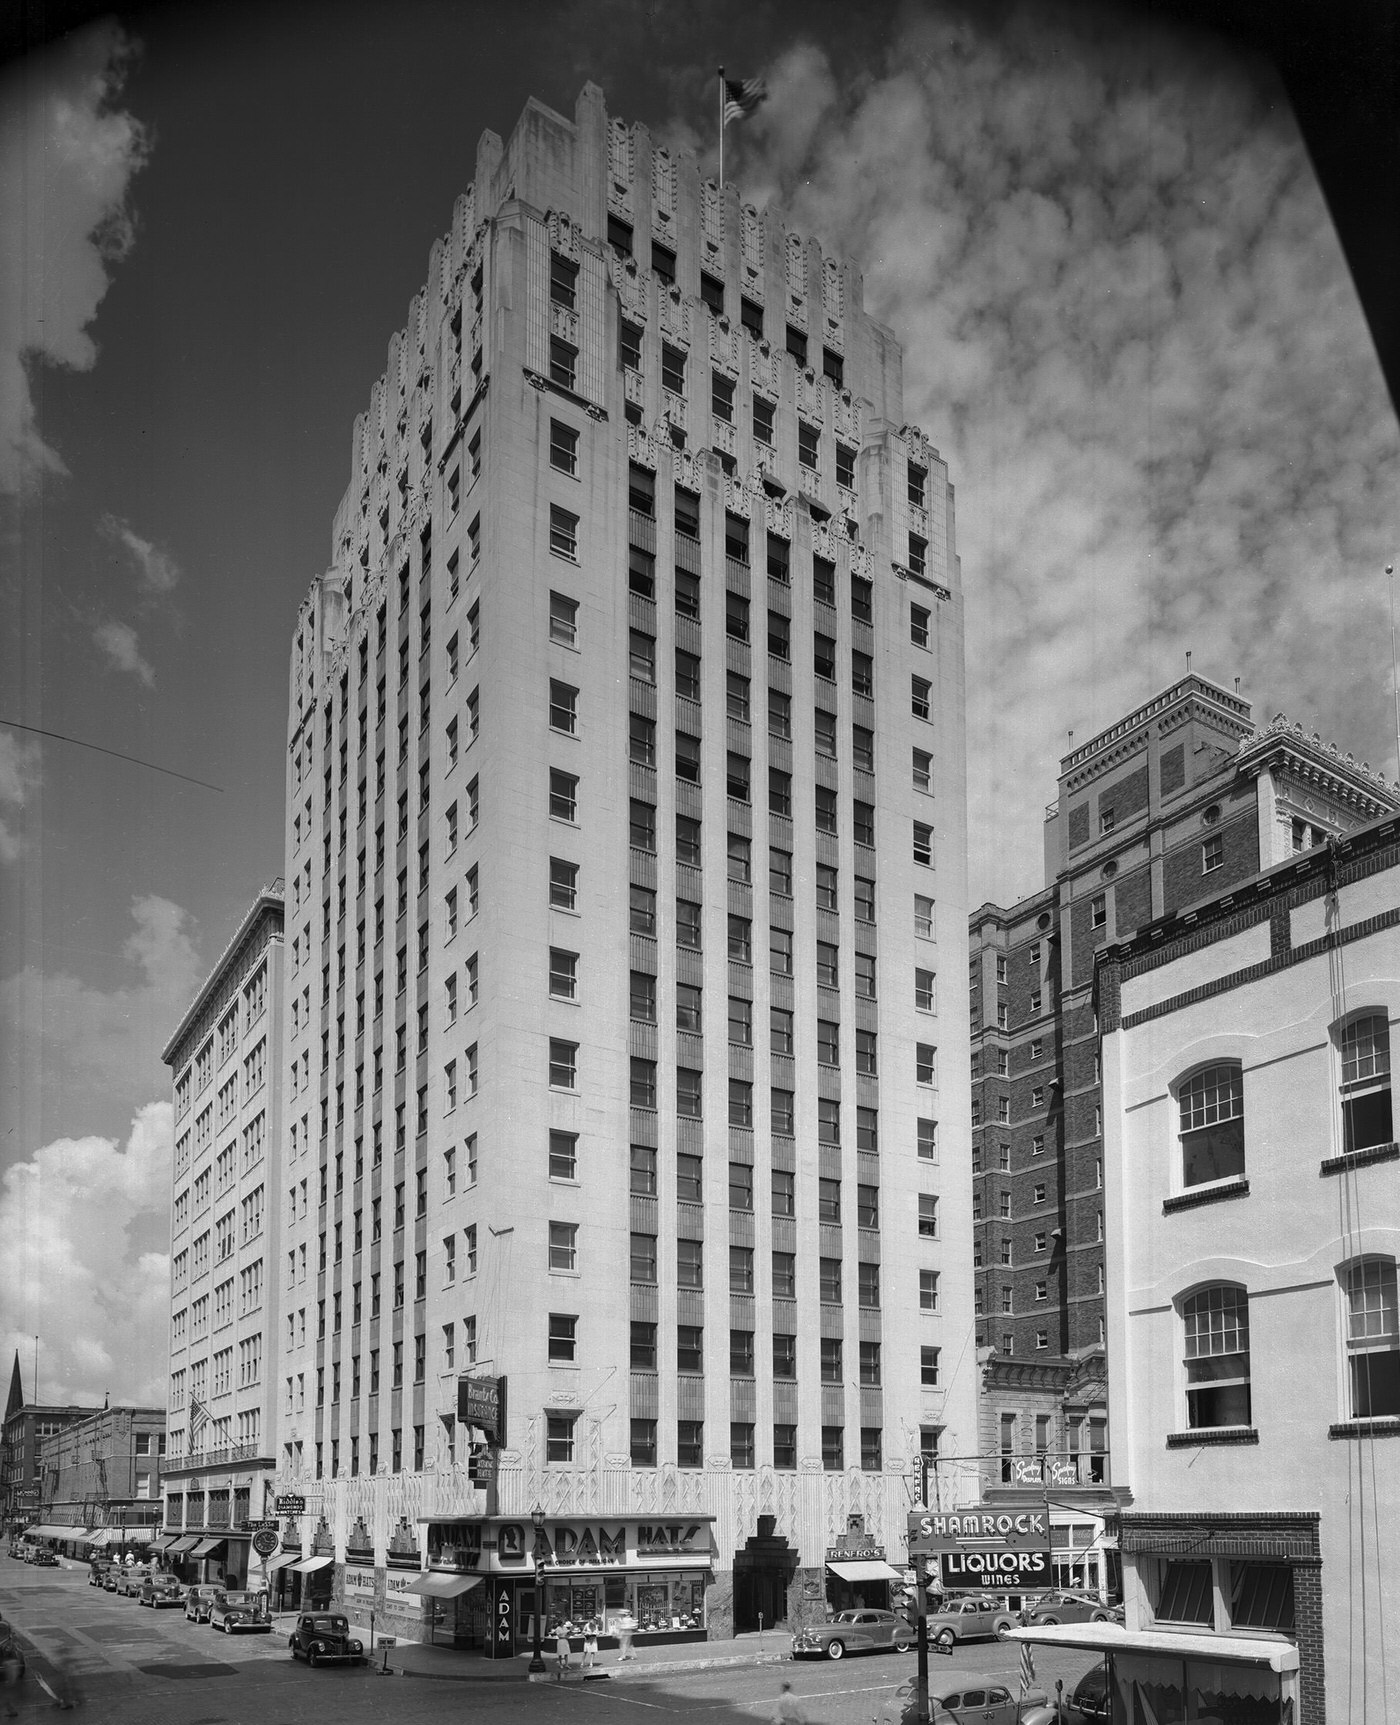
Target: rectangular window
672 369
563 363
563 795
563 1327
643 1346
797 344
865 899
641 573
690 1344
642 1082
563 974
763 412
689 1002
736 696
643 1259
722 397
687 674
629 337
688 841
687 514
563 533
824 657
782 1105
845 466
559 1437
563 1064
689 1092
641 910
687 758
563 620
779 557
741 1269
641 491
779 629
928 1215
690 1263
824 581
563 884
784 1275
620 235
751 316
563 1246
641 825
563 447
687 594
833 1449
643 1437
642 1171
740 1022
563 707
690 1443
563 1155
688 924
923 844
869 1286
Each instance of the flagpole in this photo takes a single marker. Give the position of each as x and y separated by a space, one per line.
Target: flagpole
721 128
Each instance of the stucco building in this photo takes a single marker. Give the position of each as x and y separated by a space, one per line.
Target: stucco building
225 1058
1252 1232
625 828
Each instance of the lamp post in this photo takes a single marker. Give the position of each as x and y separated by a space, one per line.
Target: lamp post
537 1516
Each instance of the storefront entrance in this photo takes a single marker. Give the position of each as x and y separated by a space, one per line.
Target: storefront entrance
763 1572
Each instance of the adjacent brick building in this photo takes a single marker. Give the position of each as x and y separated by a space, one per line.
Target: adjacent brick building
1175 803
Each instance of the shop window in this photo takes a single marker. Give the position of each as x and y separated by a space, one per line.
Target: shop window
1372 1339
1212 1125
1261 1596
1216 1324
1364 1045
1186 1593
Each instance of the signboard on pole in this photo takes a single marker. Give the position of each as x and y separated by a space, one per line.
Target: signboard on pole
985 1548
289 1505
481 1402
500 1629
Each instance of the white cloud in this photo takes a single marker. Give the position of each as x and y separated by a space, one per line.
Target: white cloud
156 570
19 774
118 642
92 1050
78 1219
67 156
1129 328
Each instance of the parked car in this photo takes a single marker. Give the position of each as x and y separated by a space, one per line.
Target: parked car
130 1581
97 1571
159 1591
861 1631
1091 1702
322 1636
1073 1608
971 1619
234 1611
110 1578
199 1602
45 1559
967 1698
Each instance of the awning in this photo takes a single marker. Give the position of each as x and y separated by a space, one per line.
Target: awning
208 1548
165 1541
1275 1652
865 1569
307 1564
443 1586
186 1542
282 1559
99 1537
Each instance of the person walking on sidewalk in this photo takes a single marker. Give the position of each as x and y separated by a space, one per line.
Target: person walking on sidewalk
626 1627
590 1644
788 1710
561 1653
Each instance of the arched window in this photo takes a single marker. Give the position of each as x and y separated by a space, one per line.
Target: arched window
1373 1338
1364 1044
1212 1124
1216 1323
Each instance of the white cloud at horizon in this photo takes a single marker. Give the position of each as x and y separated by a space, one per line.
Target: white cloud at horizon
156 570
67 157
78 1269
1128 326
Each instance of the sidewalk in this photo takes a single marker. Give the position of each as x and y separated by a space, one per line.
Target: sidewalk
417 1659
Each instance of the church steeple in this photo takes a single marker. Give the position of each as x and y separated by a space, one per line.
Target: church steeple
16 1398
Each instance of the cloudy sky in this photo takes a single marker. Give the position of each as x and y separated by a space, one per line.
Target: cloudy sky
1127 326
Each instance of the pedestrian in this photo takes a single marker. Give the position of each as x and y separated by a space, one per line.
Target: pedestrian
625 1626
789 1710
9 1677
561 1653
590 1644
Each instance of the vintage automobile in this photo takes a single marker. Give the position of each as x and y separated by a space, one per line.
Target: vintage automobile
970 1619
110 1577
1073 1608
98 1571
130 1581
160 1591
199 1601
234 1611
45 1559
323 1636
859 1631
965 1698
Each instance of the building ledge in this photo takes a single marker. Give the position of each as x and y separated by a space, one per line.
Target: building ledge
1212 1435
218 1461
1360 1158
1388 1426
1207 1195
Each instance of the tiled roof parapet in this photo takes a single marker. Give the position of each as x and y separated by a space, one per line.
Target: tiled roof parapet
1323 758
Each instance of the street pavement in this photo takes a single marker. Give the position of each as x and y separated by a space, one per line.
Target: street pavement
135 1666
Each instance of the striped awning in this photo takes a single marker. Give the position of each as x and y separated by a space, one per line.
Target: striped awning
307 1564
186 1542
281 1561
442 1585
208 1548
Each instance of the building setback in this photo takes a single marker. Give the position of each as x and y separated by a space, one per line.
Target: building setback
1177 802
1253 1228
625 804
225 1059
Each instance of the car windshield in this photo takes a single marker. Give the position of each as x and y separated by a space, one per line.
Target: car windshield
846 1616
244 1601
328 1625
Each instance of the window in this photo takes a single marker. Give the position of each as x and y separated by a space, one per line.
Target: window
563 974
563 795
740 866
642 1082
740 1021
559 1437
722 397
741 939
563 362
563 707
641 573
1372 1338
643 1435
563 533
687 675
865 976
824 581
563 1246
563 447
736 616
740 1186
828 964
629 334
620 235
928 1216
563 620
923 844
563 1155
782 1108
687 757
688 924
741 1269
687 594
919 625
562 1328
1098 912
1261 1596
845 466
1216 1325
1212 1125
643 997
687 514
690 1263
828 1120
643 1350
925 990
689 1092
672 369
828 1042
563 884
1212 853
831 1359
1186 1593
641 825
869 1286
862 674
824 657
825 806
690 1443
780 951
736 696
784 1275
643 1258
779 636
863 748
1364 1045
763 412
928 1290
751 316
833 1449
563 1064
642 910
741 1445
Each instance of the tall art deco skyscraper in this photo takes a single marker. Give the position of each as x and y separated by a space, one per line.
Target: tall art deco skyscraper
625 798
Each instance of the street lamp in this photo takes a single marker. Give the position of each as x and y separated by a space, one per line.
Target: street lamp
537 1516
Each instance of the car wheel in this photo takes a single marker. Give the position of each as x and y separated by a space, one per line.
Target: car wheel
902 1644
836 1649
945 1638
312 1657
1049 1622
1003 1630
228 1629
1100 1617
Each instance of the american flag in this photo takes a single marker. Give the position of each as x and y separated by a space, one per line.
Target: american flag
740 99
199 1416
1027 1666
